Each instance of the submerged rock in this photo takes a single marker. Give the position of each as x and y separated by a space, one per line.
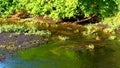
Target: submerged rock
10 42
20 40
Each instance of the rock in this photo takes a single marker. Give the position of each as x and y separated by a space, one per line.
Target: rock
11 42
14 41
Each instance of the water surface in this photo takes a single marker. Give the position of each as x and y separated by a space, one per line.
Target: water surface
53 55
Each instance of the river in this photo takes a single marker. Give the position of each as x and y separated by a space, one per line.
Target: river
54 55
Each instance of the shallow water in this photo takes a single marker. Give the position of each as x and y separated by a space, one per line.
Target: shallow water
53 55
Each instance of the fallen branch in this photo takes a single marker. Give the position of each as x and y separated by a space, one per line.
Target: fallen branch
86 19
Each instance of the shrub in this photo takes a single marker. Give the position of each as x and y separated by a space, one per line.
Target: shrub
7 7
61 8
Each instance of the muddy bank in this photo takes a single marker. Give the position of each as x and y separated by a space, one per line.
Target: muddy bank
11 42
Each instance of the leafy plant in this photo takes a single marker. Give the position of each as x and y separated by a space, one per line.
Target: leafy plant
112 22
7 7
23 29
58 9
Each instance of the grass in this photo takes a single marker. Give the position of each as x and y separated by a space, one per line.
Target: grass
25 28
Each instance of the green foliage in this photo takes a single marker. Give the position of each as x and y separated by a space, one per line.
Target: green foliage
23 29
52 8
118 3
104 8
60 8
90 30
7 7
112 22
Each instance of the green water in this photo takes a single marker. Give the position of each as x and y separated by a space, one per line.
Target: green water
53 55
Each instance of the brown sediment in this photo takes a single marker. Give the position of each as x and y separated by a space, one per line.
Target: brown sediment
117 31
79 46
11 42
43 19
1 20
16 40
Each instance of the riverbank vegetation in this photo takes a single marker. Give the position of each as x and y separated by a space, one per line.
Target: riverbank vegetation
96 20
59 33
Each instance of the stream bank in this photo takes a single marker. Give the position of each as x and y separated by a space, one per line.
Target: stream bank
31 41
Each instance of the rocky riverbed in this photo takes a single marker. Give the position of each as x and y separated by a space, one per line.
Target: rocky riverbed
11 42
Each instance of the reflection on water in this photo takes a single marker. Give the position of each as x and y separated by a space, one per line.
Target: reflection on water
53 56
20 63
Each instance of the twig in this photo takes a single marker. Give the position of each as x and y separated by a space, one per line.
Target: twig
86 19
